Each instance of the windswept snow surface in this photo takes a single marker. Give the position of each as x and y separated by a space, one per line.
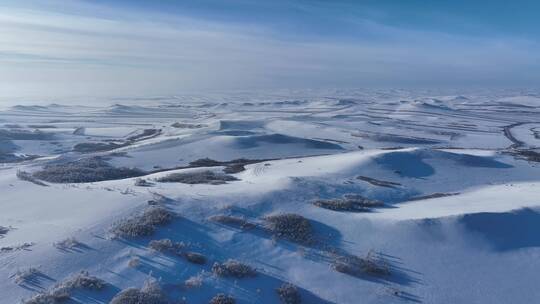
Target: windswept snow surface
459 223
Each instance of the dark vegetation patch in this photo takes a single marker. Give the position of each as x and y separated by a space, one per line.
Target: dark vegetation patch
150 293
288 294
194 257
85 170
205 162
349 202
42 126
3 230
181 125
208 162
119 154
231 166
143 224
433 195
371 264
16 134
529 155
146 134
27 177
233 221
292 227
199 177
235 168
88 147
233 268
377 182
222 299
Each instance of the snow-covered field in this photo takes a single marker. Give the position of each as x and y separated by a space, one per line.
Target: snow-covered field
409 197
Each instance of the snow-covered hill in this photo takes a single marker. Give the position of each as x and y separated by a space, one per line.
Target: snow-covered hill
352 197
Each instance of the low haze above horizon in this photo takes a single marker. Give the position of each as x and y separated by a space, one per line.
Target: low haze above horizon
143 47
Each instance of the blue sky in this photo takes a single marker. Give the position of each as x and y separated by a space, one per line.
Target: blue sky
57 47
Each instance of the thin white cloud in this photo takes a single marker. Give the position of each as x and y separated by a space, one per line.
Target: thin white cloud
59 53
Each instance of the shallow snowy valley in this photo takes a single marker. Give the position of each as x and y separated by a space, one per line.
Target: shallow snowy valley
349 196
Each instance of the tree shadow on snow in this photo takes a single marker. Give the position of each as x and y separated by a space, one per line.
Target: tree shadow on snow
34 282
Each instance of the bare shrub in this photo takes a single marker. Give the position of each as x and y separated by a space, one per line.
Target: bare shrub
157 216
27 177
232 221
62 292
83 280
12 248
55 297
141 182
150 293
143 224
288 294
200 177
371 264
25 276
233 268
194 281
132 227
222 299
290 226
195 257
3 230
134 262
85 170
68 243
166 246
